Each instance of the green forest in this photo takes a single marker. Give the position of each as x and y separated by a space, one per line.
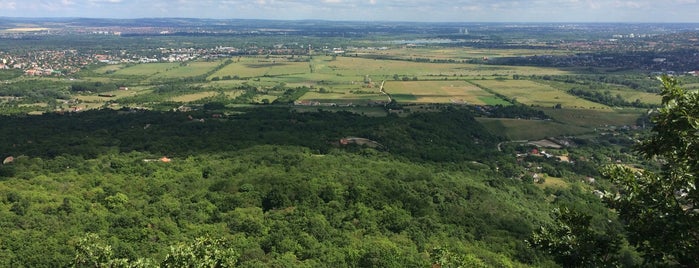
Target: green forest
275 186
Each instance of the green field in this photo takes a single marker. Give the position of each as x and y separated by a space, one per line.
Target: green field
595 118
458 92
193 96
520 129
164 70
249 67
537 94
463 53
345 97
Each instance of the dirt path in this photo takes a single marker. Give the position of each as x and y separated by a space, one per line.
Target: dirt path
384 92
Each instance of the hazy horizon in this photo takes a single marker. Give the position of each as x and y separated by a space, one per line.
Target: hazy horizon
612 11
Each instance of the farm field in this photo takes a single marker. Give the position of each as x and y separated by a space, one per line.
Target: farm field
537 94
463 53
193 96
164 70
595 118
459 92
249 67
643 97
346 70
691 86
520 129
363 98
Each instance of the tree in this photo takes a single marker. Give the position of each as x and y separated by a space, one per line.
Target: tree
573 242
660 210
203 253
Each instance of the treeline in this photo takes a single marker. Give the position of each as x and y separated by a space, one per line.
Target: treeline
514 111
96 87
429 136
607 98
35 91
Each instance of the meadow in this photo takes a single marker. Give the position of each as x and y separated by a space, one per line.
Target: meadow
536 94
521 129
460 54
154 71
457 92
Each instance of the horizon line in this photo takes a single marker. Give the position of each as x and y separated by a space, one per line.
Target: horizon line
330 20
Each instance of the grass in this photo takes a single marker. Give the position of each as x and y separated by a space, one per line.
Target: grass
464 53
595 118
249 67
344 97
193 96
440 92
537 94
166 70
519 129
552 182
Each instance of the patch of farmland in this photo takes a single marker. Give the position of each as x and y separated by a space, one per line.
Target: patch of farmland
146 69
108 68
537 94
385 69
643 97
595 118
340 98
464 53
193 96
690 86
195 68
459 92
249 67
521 129
169 70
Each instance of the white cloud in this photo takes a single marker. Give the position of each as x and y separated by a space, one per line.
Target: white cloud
8 5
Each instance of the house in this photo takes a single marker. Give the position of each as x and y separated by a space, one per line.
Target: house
123 88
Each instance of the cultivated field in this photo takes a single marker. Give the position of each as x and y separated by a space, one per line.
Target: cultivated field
250 67
162 70
595 118
458 92
459 54
537 94
344 98
520 129
193 96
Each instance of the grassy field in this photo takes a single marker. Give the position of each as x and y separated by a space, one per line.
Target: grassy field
552 182
691 86
345 97
643 97
463 53
193 96
163 70
595 118
249 67
537 94
519 129
459 92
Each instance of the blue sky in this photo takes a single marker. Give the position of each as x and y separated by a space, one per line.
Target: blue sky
368 10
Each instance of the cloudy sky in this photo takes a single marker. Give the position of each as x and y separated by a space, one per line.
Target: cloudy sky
368 10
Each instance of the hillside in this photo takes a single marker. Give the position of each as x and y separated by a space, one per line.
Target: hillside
277 186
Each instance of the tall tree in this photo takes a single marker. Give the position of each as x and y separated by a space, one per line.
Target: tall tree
660 209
